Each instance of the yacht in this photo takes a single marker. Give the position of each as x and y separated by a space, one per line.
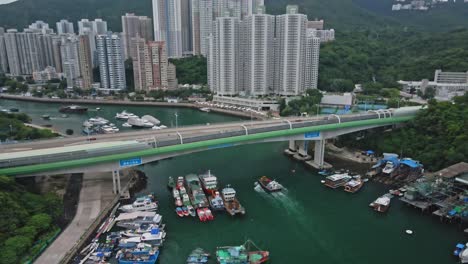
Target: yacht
126 125
145 203
389 167
135 220
139 123
125 115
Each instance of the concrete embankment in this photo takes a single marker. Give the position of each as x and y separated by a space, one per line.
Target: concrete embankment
42 127
101 102
95 202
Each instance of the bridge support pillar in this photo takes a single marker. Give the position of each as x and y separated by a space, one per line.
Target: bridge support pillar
119 189
114 185
292 148
319 153
302 150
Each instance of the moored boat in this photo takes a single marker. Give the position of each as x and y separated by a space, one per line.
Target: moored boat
125 115
209 183
73 109
191 211
205 109
185 211
382 203
45 117
201 214
337 180
216 202
144 203
196 194
269 185
198 256
179 212
353 185
208 214
231 203
241 254
170 183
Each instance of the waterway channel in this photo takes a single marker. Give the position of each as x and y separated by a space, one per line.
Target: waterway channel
308 223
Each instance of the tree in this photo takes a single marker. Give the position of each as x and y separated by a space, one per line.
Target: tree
40 221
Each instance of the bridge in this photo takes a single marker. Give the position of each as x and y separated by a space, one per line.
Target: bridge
114 152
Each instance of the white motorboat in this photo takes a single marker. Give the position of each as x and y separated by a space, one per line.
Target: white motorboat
389 167
140 123
156 128
162 126
125 115
145 203
151 119
98 121
126 125
155 237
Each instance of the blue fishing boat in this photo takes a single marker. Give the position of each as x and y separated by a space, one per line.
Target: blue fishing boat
139 255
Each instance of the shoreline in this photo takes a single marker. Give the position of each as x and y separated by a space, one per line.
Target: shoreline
128 103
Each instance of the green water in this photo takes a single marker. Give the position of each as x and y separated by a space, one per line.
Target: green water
186 116
308 223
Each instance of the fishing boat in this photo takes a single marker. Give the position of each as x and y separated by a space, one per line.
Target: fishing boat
141 254
45 117
170 183
186 199
216 202
179 212
382 203
144 203
180 182
201 214
353 185
208 214
209 183
337 180
241 254
73 109
231 203
178 201
191 211
269 185
205 109
196 194
198 256
185 211
182 190
389 168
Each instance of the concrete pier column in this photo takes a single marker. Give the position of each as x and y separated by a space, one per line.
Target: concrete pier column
303 145
114 186
292 145
119 189
319 153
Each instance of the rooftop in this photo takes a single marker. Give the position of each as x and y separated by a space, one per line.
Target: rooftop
453 171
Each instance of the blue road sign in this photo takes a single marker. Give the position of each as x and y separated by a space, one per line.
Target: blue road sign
130 162
312 134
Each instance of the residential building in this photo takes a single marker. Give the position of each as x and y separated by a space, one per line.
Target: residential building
249 102
315 24
56 51
290 51
172 23
345 100
49 73
446 85
312 54
258 51
263 54
151 68
83 25
3 53
224 56
172 82
69 53
42 27
202 25
325 35
135 26
11 46
111 62
65 27
85 61
99 26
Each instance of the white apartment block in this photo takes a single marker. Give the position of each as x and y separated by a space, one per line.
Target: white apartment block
312 60
3 53
168 24
202 25
65 27
225 57
290 51
111 62
258 54
70 60
264 55
135 26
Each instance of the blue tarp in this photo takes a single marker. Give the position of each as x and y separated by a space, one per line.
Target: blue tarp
411 163
370 152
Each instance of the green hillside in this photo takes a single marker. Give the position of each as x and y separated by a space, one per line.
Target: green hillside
339 14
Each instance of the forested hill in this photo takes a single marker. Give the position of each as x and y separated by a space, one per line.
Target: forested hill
339 14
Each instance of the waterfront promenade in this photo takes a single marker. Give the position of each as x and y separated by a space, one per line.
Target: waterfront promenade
95 195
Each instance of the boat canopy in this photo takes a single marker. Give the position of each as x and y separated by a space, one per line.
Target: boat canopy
411 163
134 215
